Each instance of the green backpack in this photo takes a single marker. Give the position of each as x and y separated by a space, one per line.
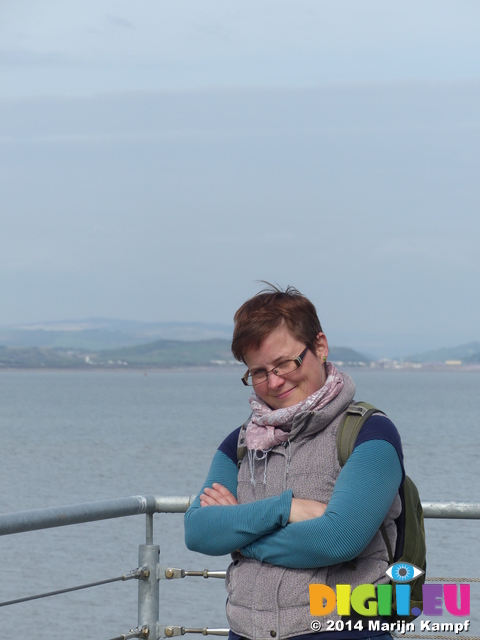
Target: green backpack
414 549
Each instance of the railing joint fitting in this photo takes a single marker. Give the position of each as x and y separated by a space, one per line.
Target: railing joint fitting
170 573
138 632
173 630
145 632
144 573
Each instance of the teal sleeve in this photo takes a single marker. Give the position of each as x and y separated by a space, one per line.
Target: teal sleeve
362 496
217 531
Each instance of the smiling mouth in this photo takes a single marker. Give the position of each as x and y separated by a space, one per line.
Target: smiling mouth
284 394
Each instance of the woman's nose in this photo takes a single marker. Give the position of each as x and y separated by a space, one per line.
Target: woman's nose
275 381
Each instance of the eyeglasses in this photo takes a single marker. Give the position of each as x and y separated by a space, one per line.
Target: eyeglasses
282 369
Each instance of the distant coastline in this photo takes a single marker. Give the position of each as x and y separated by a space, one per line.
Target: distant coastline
212 369
98 344
145 369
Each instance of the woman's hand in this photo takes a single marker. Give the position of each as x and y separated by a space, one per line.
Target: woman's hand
217 495
305 510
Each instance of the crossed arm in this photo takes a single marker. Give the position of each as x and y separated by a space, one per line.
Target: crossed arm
225 526
289 532
217 495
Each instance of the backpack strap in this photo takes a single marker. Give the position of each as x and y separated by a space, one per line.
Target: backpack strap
383 531
355 417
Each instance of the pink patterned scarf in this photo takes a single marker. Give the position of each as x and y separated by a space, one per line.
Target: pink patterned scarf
269 427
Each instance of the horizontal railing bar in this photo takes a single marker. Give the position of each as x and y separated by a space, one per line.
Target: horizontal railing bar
62 516
177 504
135 505
452 509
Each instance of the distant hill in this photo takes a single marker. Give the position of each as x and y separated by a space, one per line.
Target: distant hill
171 353
347 356
464 352
104 342
39 358
158 354
99 333
473 359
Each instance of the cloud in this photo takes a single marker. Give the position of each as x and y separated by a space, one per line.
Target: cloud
159 45
118 21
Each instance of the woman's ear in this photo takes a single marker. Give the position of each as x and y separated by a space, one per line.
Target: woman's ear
321 346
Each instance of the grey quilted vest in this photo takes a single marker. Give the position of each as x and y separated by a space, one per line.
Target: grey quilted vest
267 601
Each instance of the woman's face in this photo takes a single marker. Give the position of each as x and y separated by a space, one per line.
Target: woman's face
284 391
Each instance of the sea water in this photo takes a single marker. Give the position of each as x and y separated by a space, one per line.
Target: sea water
69 437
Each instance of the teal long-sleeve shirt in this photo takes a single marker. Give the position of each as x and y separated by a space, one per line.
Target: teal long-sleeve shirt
362 496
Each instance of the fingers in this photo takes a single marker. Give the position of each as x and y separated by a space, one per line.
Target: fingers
217 495
221 489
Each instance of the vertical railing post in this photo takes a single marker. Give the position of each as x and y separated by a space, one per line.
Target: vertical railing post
148 589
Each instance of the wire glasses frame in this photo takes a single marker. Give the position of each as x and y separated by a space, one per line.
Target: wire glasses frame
282 369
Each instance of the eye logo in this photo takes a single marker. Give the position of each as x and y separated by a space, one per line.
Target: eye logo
403 572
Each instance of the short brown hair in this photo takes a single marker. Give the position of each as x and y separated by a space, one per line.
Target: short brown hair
269 309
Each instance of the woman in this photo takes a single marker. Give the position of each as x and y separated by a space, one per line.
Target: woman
276 497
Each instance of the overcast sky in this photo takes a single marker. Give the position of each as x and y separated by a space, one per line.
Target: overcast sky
157 158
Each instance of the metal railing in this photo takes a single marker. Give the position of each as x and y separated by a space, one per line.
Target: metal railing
150 572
